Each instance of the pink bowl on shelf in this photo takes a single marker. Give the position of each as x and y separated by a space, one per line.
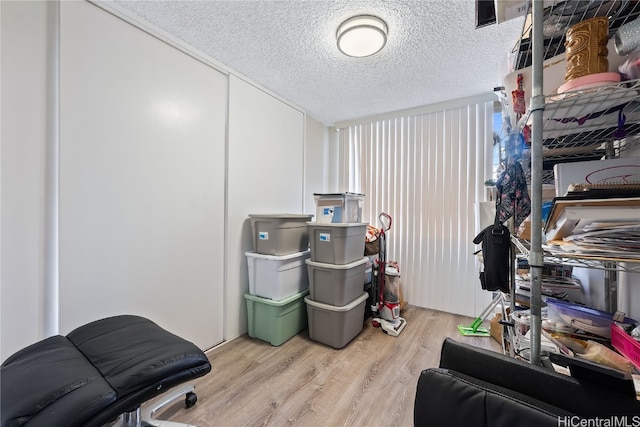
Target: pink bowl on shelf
590 81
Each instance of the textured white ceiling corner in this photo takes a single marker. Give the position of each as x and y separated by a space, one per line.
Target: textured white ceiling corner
433 54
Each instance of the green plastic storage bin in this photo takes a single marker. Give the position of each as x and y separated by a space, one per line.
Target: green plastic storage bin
276 321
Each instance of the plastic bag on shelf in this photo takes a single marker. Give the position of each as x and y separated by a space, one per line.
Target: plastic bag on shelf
598 353
631 66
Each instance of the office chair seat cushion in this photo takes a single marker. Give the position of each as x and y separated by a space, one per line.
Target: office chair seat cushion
51 377
120 348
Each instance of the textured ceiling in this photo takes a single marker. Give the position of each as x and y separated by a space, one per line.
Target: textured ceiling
433 54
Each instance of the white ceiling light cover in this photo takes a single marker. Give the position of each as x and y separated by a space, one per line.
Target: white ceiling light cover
362 36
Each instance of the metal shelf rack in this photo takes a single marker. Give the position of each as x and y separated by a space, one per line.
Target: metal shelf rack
573 130
559 15
558 131
631 265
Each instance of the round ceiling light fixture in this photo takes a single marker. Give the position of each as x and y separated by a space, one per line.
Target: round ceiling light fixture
362 36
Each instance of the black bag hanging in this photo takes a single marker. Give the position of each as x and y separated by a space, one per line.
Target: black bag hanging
496 255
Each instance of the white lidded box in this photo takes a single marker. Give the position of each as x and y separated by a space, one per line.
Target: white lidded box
277 277
335 326
336 243
339 207
279 234
336 284
620 170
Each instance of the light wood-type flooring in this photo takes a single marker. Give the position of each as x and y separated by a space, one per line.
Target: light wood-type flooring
370 382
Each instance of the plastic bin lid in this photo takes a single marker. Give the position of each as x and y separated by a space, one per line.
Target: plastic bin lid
337 266
281 216
330 307
336 224
339 194
306 253
280 303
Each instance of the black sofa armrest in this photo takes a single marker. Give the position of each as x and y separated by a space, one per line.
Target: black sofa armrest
448 398
578 396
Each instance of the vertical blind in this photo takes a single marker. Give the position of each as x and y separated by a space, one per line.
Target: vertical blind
427 171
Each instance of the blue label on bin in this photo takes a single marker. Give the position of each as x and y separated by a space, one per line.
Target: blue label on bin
263 235
325 237
327 211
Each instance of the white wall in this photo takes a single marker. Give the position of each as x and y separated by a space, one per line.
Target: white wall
316 159
263 171
24 137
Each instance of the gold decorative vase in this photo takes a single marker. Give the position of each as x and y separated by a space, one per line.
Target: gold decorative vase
586 48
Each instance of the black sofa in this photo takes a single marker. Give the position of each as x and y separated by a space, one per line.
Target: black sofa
477 387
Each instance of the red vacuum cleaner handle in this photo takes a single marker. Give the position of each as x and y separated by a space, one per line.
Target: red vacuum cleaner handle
385 220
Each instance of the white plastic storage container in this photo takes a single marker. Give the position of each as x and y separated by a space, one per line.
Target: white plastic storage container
335 326
336 284
336 243
280 234
277 277
339 207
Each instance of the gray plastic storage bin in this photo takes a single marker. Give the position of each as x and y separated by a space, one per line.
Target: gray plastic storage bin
339 207
280 234
336 243
336 284
277 277
335 326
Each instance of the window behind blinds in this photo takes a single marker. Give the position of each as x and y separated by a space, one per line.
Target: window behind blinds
427 171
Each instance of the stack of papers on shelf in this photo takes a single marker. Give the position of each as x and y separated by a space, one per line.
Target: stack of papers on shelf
565 288
604 240
597 227
575 220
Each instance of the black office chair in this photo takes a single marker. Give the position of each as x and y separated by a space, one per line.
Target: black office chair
98 373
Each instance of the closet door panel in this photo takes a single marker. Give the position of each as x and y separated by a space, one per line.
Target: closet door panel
142 170
266 169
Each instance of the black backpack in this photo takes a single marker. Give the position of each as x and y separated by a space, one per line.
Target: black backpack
496 255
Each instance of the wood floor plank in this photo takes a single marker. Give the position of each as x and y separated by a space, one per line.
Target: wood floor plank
369 382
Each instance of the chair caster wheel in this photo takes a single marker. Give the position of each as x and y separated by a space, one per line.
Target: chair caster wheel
190 399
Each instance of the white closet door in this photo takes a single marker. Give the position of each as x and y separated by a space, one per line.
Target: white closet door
266 169
142 169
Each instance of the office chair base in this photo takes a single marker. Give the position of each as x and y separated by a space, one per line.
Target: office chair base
143 417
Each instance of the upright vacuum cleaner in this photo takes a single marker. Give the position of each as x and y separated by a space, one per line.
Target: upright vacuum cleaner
385 287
